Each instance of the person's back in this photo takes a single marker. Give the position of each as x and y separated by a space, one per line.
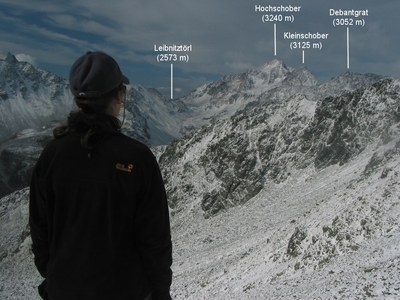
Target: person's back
99 215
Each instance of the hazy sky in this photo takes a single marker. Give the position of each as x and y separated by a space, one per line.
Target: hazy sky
227 36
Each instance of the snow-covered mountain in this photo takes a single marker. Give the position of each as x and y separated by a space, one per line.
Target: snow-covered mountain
29 97
152 118
289 189
348 82
33 98
223 98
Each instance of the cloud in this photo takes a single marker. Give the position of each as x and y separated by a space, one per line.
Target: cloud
227 36
63 20
37 6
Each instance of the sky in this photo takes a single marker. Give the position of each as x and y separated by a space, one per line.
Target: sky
227 37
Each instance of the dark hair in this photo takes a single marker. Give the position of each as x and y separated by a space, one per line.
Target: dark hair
91 120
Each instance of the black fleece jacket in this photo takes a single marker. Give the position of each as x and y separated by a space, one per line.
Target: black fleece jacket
100 226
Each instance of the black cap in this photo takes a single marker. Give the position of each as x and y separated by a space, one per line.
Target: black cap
94 75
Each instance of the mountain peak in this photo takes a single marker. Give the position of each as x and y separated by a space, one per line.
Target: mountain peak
11 58
349 81
353 76
272 65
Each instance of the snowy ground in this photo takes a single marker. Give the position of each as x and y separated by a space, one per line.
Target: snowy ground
347 245
330 234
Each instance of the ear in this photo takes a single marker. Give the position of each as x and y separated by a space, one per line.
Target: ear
121 97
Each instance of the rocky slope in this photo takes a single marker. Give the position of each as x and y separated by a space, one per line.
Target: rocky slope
152 118
229 161
329 233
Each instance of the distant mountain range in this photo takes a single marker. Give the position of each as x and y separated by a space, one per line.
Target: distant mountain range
31 98
35 100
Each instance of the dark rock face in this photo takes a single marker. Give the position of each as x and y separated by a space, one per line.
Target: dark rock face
235 165
18 166
17 159
343 126
295 241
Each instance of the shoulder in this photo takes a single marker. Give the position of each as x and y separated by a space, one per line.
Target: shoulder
132 144
131 147
56 145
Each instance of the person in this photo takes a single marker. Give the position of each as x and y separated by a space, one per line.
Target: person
98 211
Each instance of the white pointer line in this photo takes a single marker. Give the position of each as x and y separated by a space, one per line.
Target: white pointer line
275 39
172 81
303 56
348 48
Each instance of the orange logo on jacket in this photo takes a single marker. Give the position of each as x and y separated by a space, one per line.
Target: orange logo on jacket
122 167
